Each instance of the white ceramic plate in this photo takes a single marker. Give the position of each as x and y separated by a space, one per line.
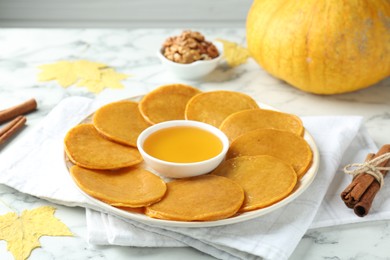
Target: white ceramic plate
301 186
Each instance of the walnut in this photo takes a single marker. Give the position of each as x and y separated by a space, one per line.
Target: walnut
188 47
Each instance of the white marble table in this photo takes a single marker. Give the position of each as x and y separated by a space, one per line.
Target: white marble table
133 52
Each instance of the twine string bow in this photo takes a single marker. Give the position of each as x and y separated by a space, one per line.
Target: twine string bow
370 167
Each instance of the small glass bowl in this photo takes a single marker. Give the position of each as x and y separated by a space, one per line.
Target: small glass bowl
194 70
182 170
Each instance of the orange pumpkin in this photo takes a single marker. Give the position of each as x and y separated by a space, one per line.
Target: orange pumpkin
323 47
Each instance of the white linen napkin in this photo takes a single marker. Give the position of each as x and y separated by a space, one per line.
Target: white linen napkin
34 164
275 235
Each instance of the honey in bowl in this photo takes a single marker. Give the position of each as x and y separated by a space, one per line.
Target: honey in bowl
182 148
183 144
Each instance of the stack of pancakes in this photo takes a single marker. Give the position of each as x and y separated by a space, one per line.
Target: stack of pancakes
266 159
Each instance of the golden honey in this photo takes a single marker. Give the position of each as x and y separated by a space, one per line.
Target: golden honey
183 144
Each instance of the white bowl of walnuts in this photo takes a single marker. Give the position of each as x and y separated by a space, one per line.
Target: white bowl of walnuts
189 56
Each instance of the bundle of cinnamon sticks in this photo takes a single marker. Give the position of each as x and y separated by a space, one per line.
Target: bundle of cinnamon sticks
16 117
360 194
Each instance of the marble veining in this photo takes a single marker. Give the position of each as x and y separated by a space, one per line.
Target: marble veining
133 52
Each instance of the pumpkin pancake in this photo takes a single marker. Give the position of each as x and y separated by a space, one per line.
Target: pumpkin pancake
120 122
213 107
87 148
166 103
200 198
128 187
247 120
265 179
284 145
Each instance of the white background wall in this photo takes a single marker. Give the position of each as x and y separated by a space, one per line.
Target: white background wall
123 13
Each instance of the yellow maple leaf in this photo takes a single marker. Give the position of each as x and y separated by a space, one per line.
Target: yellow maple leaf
112 79
94 86
109 78
233 53
63 71
88 70
22 233
92 75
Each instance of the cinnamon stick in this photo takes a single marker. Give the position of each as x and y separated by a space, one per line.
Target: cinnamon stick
18 110
360 194
11 128
352 194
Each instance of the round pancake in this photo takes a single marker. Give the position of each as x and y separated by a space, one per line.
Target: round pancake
87 148
200 198
128 187
265 179
247 120
120 122
166 103
284 145
213 107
